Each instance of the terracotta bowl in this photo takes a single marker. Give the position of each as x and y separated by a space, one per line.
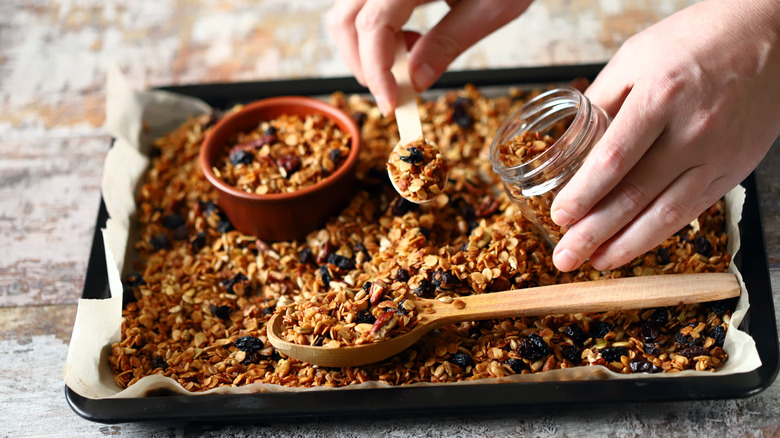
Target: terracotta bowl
281 216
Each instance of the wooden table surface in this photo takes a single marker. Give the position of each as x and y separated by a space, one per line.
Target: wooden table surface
53 61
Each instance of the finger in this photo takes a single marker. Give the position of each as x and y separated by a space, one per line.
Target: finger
648 179
668 213
467 22
340 21
636 127
377 24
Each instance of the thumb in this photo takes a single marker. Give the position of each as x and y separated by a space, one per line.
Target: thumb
466 23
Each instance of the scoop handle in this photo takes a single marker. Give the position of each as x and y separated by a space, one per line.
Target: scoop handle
407 115
591 296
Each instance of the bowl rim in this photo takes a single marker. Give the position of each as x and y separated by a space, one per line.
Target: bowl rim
315 106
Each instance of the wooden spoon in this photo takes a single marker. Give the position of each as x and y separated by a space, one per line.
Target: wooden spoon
582 297
407 115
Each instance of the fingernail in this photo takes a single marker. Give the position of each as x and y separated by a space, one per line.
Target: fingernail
423 77
381 102
561 218
565 260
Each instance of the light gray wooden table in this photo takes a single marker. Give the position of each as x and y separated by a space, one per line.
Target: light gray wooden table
53 60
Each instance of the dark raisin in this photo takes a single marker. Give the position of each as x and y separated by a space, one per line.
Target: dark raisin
224 225
135 279
703 246
365 317
160 241
686 340
271 131
425 231
252 357
600 329
306 256
159 362
221 312
401 206
213 118
290 163
639 365
718 333
198 241
573 354
533 347
207 207
173 221
460 114
613 354
359 118
128 296
341 262
326 250
424 288
472 225
248 344
402 275
401 310
155 152
241 156
445 280
325 275
319 340
268 311
516 365
464 209
660 316
722 306
367 286
650 330
415 156
335 155
662 256
462 360
275 355
181 233
232 282
652 348
693 351
576 334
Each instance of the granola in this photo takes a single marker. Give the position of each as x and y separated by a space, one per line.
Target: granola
284 154
197 306
418 170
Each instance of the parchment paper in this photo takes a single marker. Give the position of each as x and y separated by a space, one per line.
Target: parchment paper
134 119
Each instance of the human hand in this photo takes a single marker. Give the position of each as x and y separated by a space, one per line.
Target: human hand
365 31
696 105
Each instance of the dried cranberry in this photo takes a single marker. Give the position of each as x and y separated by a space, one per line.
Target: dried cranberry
241 156
173 221
365 317
650 330
576 334
160 241
401 206
573 354
516 365
462 360
402 275
290 163
306 256
703 246
662 256
159 362
248 344
718 333
600 329
221 312
340 261
613 354
533 347
639 365
693 351
415 156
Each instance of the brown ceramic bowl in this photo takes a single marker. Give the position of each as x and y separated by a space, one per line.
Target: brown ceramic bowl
281 216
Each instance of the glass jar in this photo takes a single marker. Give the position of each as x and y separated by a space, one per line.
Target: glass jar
563 113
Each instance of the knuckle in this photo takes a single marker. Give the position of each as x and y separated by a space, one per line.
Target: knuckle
630 197
619 253
368 19
586 241
671 213
612 160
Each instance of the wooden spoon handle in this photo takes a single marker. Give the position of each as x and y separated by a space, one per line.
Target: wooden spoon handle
592 296
406 113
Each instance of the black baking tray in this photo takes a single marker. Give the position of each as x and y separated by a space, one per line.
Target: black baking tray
759 323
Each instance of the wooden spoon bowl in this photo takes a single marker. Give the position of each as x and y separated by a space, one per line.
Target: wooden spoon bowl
582 297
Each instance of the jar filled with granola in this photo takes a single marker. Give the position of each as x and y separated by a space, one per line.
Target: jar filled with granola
539 148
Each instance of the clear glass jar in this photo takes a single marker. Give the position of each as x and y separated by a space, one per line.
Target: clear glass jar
533 184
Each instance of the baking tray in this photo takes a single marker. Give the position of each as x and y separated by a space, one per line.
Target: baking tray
759 322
